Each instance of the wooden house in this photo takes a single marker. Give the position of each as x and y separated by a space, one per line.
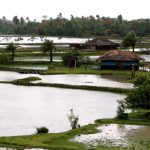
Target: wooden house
120 59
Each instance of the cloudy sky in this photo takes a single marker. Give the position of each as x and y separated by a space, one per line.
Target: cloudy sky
35 9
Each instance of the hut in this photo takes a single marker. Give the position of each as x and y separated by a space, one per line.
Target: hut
101 44
72 61
120 59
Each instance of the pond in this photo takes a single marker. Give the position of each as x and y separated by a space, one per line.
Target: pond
22 108
146 57
117 135
72 79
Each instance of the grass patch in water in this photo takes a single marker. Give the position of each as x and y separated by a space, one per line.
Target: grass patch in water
27 82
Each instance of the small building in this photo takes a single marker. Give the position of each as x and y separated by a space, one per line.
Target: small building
72 61
101 44
120 59
96 44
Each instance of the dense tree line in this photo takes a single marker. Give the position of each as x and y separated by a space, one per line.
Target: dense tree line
75 26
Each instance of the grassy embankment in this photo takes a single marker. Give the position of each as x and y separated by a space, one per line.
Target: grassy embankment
27 82
61 141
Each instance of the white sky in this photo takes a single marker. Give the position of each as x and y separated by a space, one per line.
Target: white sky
35 9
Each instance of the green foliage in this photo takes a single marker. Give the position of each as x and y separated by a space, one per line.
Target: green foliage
130 40
11 47
25 81
121 115
75 26
74 54
139 97
4 58
42 130
48 46
141 79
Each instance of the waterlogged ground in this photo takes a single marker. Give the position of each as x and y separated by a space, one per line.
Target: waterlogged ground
72 79
55 59
117 135
37 39
24 108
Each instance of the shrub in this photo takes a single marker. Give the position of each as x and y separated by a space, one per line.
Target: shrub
41 130
73 119
74 54
4 59
121 115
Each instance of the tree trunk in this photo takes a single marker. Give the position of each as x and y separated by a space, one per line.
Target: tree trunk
133 48
13 55
51 56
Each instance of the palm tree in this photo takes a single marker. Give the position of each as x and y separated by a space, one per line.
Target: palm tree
11 47
48 46
130 40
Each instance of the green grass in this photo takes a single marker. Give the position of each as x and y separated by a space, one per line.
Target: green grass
61 141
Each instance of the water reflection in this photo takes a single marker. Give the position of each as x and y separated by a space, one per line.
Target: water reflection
22 108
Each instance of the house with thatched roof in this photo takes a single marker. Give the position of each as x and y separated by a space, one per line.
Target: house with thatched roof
120 59
96 44
101 44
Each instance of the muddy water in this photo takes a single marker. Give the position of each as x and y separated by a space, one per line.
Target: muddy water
116 135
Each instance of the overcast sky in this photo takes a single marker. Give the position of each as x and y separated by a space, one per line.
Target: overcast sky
35 9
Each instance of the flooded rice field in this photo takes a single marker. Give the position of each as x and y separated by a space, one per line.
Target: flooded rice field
22 108
72 79
37 39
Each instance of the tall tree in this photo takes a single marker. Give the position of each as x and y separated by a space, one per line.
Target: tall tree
48 46
130 40
11 47
16 20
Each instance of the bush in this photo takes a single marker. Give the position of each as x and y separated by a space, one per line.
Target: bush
41 130
139 97
74 54
73 119
4 58
121 115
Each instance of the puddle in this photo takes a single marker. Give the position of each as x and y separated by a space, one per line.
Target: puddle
116 135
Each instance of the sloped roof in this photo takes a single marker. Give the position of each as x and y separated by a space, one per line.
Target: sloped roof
121 55
101 42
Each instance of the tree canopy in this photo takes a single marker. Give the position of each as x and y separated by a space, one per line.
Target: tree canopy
75 26
130 40
48 46
139 97
11 47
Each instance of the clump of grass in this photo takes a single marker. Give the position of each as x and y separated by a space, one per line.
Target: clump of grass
25 80
41 130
